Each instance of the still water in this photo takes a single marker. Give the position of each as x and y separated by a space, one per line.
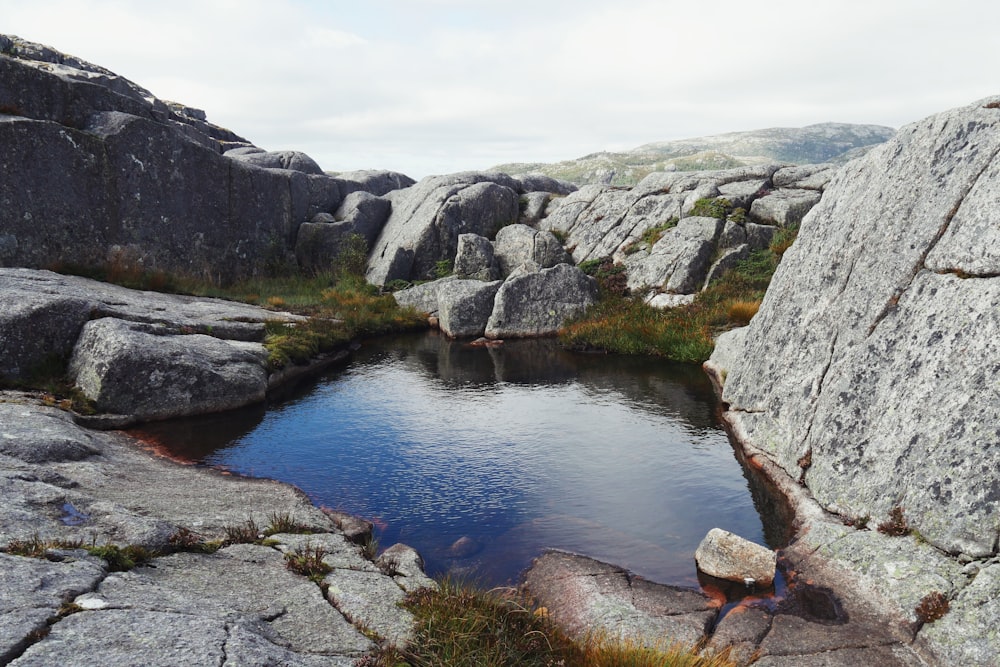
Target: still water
514 448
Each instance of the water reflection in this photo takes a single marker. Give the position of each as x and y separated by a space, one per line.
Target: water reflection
508 449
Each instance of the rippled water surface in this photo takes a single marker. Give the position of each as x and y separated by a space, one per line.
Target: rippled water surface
516 448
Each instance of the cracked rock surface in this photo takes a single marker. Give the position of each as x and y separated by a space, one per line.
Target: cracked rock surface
870 372
238 606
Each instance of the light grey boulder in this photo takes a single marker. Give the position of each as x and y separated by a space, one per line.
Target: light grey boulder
537 302
666 300
533 205
727 556
320 243
291 160
378 182
727 260
679 260
804 177
371 600
365 213
41 435
427 219
880 390
36 327
759 236
571 207
406 567
474 258
423 297
543 183
151 373
517 244
783 208
741 194
464 306
582 595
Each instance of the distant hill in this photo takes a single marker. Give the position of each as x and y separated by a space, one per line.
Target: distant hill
823 142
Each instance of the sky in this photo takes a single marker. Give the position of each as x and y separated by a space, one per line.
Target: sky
438 86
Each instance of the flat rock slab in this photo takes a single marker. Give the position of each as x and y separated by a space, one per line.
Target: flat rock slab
583 595
245 581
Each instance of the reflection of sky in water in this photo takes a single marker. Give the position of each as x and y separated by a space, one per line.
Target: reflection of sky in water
600 464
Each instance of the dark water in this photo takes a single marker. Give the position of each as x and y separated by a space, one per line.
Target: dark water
515 448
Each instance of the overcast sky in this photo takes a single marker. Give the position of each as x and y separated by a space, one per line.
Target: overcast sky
438 86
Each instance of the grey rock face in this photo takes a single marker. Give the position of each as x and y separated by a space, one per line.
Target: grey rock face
533 205
147 371
428 218
291 160
878 350
474 258
38 435
517 244
784 208
543 183
727 556
423 297
533 302
365 213
464 306
378 182
582 594
320 243
679 261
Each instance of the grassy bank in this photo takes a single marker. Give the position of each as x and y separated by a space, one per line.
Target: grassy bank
462 626
626 325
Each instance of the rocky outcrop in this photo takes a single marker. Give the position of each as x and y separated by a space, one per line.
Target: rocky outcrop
239 605
98 171
140 355
869 372
428 218
727 556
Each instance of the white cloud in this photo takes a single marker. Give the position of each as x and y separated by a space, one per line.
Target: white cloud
443 85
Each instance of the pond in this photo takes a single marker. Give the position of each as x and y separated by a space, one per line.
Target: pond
482 457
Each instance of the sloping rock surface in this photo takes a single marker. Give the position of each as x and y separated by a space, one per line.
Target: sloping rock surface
869 372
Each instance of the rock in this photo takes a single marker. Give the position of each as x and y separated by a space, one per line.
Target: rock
378 182
670 300
679 260
41 435
804 177
354 528
726 261
517 244
582 595
406 567
533 302
423 297
543 183
474 258
365 213
967 634
464 306
152 373
33 591
783 208
35 328
371 600
872 298
533 205
291 160
428 217
727 556
464 547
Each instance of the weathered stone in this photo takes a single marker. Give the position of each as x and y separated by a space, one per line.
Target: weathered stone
337 550
742 194
533 205
893 655
464 306
36 328
727 556
406 567
543 183
581 594
149 372
365 213
517 244
292 160
354 528
474 258
371 600
783 208
427 219
740 631
378 182
37 435
804 177
969 634
670 300
318 245
533 302
678 261
726 261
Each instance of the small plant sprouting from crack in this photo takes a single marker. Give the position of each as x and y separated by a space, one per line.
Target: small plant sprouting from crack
285 523
896 525
247 532
932 606
309 563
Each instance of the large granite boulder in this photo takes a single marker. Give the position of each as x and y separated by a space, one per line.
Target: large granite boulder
292 160
869 372
464 306
152 372
475 258
537 302
517 244
321 242
378 182
427 219
680 260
